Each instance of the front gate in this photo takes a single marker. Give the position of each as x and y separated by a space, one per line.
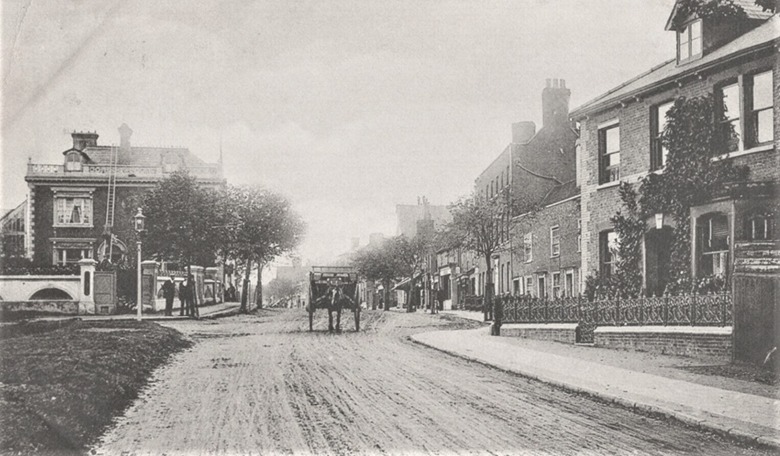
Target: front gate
105 292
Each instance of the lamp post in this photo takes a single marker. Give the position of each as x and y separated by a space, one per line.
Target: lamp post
138 224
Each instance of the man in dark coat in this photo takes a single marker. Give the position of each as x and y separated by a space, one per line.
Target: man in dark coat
169 292
183 300
191 298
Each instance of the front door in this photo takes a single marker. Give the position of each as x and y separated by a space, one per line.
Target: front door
658 250
105 292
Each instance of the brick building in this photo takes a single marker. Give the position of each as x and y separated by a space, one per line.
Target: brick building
536 170
68 204
735 59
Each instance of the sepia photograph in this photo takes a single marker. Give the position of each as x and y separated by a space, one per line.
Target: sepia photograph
389 227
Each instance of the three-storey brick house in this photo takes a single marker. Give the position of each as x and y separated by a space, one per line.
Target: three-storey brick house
735 60
83 207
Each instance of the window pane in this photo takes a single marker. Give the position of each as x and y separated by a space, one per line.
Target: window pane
612 137
696 38
731 101
683 37
762 90
763 126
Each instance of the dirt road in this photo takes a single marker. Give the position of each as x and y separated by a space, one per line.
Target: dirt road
265 385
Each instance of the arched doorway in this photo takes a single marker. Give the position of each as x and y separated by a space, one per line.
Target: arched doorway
118 252
658 250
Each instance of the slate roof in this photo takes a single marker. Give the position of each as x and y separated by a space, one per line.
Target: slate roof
669 71
752 11
143 156
561 192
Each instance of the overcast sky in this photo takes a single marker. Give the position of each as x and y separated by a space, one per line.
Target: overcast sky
346 107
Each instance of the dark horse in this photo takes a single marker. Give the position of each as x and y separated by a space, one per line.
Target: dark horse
335 300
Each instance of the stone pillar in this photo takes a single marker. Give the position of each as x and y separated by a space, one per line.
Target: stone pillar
87 286
149 284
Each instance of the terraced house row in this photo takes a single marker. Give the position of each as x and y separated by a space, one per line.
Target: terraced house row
566 176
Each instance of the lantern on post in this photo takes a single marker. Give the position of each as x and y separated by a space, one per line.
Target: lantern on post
138 224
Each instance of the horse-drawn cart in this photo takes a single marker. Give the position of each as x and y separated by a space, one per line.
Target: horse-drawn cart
333 288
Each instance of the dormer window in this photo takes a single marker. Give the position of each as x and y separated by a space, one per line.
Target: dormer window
73 161
689 42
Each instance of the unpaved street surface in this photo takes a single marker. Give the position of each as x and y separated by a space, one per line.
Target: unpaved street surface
264 384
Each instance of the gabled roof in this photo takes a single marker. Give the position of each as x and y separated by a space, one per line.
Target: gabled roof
752 11
760 37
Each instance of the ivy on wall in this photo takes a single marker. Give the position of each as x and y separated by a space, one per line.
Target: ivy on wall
690 177
714 9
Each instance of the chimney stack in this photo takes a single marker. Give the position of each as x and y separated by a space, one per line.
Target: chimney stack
84 139
555 103
125 133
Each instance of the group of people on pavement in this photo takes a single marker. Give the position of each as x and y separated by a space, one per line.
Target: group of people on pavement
186 296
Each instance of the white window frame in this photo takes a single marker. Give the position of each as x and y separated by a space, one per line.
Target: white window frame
686 37
60 205
526 289
605 172
528 247
553 245
556 290
752 113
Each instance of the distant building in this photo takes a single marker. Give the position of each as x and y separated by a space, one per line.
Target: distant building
408 215
76 206
12 230
536 172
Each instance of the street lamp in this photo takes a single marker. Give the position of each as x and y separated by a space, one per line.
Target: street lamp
138 224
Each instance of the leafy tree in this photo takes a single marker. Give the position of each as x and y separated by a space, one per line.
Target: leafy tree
258 226
482 225
378 263
713 9
284 288
408 257
180 220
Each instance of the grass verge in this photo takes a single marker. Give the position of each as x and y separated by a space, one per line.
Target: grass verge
62 382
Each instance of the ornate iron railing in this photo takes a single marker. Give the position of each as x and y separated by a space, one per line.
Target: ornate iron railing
473 303
683 310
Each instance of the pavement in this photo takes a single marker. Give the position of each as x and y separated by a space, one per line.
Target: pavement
223 309
747 417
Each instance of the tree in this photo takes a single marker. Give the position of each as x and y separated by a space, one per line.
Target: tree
378 263
284 288
259 225
482 225
180 219
408 256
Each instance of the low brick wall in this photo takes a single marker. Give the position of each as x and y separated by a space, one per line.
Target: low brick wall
693 341
559 332
49 307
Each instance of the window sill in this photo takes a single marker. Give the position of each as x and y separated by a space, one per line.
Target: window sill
740 153
608 185
59 225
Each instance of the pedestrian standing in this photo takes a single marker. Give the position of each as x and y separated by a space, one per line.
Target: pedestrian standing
169 292
183 301
193 307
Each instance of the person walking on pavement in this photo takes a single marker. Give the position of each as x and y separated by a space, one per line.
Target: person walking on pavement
183 301
169 292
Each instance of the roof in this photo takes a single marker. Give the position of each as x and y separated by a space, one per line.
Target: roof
669 71
561 192
752 11
147 156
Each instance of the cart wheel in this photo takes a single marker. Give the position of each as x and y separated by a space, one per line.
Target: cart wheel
357 318
311 320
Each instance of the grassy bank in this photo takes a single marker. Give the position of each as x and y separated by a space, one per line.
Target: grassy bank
61 382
